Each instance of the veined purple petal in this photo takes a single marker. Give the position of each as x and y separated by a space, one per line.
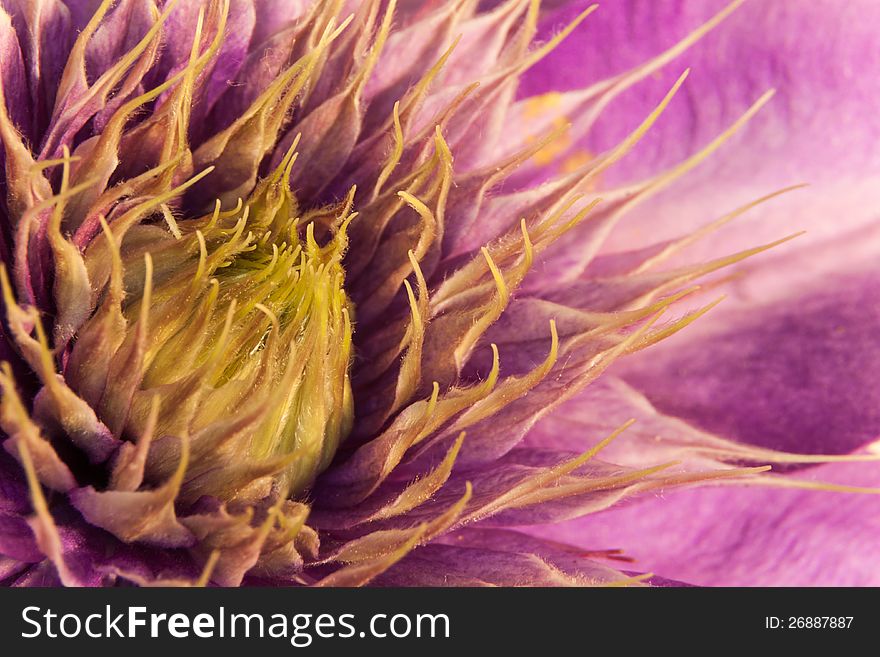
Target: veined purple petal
820 127
498 558
124 26
731 536
15 81
45 34
796 374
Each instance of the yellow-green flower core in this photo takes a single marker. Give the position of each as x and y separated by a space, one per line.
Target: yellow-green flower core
243 323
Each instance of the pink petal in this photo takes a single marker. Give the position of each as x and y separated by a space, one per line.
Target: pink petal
796 374
734 536
821 127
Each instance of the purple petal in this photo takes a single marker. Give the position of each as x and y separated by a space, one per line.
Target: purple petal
497 558
94 558
797 374
13 489
734 536
821 90
44 31
15 82
81 12
781 363
16 540
121 30
230 59
273 16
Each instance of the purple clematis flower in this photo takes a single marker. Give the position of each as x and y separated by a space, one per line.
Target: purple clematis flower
370 292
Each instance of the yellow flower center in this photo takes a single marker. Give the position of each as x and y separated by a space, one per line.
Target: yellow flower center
247 341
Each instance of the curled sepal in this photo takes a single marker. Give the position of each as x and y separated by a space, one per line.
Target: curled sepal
17 424
244 541
143 516
56 407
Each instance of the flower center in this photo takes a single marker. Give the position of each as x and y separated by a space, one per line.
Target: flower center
245 336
